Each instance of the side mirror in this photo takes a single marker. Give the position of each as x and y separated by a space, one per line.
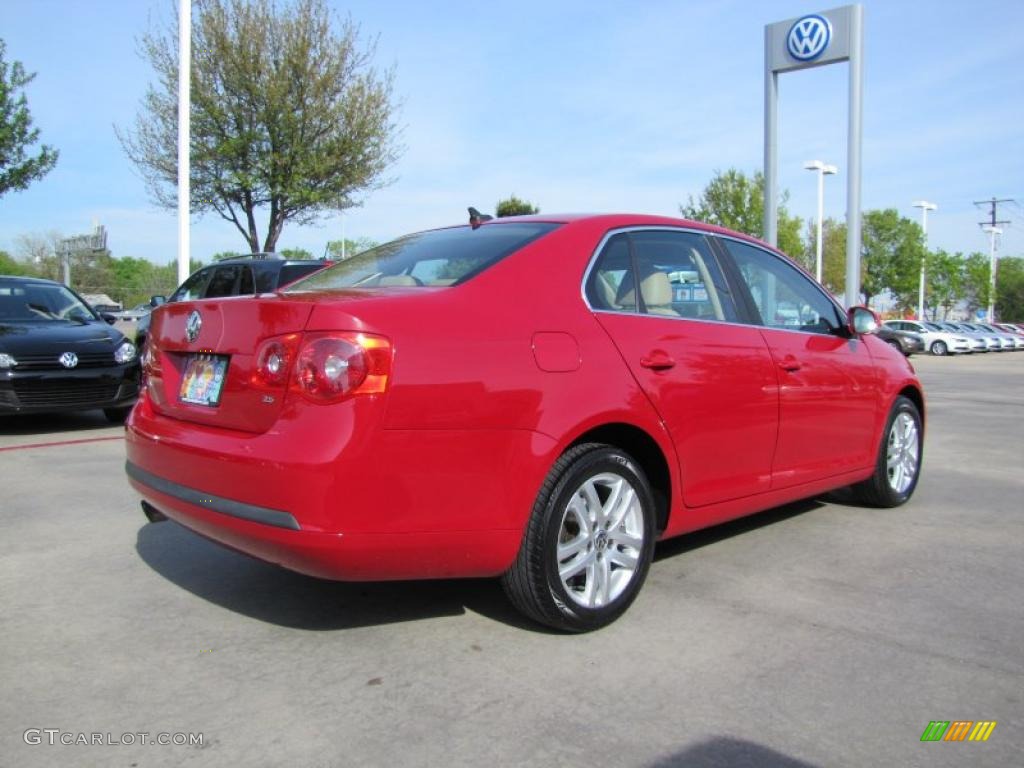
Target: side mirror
109 318
156 301
862 320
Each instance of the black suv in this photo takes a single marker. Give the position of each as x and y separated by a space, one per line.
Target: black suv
245 275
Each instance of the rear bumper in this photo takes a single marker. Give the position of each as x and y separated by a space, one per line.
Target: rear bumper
344 556
329 500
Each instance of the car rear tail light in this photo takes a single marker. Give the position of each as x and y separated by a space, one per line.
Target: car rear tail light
274 359
333 366
150 359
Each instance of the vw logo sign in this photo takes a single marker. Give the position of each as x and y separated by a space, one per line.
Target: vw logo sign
809 37
193 325
69 359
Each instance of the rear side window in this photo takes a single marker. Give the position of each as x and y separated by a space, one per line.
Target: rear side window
292 272
223 282
677 274
438 258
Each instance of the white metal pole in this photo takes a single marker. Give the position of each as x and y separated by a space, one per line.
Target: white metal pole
853 147
821 213
992 263
184 128
925 206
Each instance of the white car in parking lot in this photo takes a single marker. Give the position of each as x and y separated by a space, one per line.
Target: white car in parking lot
937 340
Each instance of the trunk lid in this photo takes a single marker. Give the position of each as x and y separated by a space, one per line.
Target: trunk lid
230 330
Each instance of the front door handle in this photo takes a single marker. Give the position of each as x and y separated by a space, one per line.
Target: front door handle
658 361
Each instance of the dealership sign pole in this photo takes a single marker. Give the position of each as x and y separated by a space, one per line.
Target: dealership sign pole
813 40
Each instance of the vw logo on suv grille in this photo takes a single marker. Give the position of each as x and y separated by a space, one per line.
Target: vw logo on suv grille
193 325
68 359
809 37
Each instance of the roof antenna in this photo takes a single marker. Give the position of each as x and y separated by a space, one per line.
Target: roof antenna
476 218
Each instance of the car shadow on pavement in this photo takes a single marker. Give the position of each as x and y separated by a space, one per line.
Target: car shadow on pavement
50 423
272 594
723 751
706 536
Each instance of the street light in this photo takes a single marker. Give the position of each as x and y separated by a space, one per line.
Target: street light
992 262
925 206
823 171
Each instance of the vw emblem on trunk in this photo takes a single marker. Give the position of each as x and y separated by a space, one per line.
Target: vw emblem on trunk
68 359
809 37
193 325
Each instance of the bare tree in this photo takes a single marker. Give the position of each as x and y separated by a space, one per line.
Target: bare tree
288 115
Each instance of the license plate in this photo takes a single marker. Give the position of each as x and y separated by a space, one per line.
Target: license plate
203 379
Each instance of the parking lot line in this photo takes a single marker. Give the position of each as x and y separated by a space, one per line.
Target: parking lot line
59 443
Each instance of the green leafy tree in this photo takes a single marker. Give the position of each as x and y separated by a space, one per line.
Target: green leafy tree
976 275
11 266
288 116
736 201
944 282
352 247
1010 290
891 253
833 254
296 253
19 166
221 255
513 206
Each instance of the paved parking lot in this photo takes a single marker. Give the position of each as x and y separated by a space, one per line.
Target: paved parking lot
818 634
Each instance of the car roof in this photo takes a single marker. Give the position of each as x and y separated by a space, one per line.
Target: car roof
267 261
30 280
617 220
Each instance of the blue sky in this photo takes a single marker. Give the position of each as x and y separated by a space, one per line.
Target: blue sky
576 106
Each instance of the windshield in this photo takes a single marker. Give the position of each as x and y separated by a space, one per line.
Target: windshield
41 303
932 327
441 257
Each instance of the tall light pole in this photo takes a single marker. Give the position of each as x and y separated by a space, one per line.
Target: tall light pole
823 171
184 128
925 206
992 262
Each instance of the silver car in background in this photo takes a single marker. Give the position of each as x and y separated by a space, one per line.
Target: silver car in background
937 340
1015 331
1007 339
980 342
995 341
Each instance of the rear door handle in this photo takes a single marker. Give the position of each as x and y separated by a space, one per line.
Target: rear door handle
790 364
657 361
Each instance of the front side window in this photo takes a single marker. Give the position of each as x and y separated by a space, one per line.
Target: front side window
194 287
782 295
677 275
441 257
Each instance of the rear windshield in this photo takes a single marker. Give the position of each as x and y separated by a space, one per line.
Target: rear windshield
437 258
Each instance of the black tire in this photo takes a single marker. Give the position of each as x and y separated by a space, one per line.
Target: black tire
534 584
896 345
939 348
885 490
117 415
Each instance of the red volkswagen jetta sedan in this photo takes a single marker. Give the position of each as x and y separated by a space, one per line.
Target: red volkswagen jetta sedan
537 398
